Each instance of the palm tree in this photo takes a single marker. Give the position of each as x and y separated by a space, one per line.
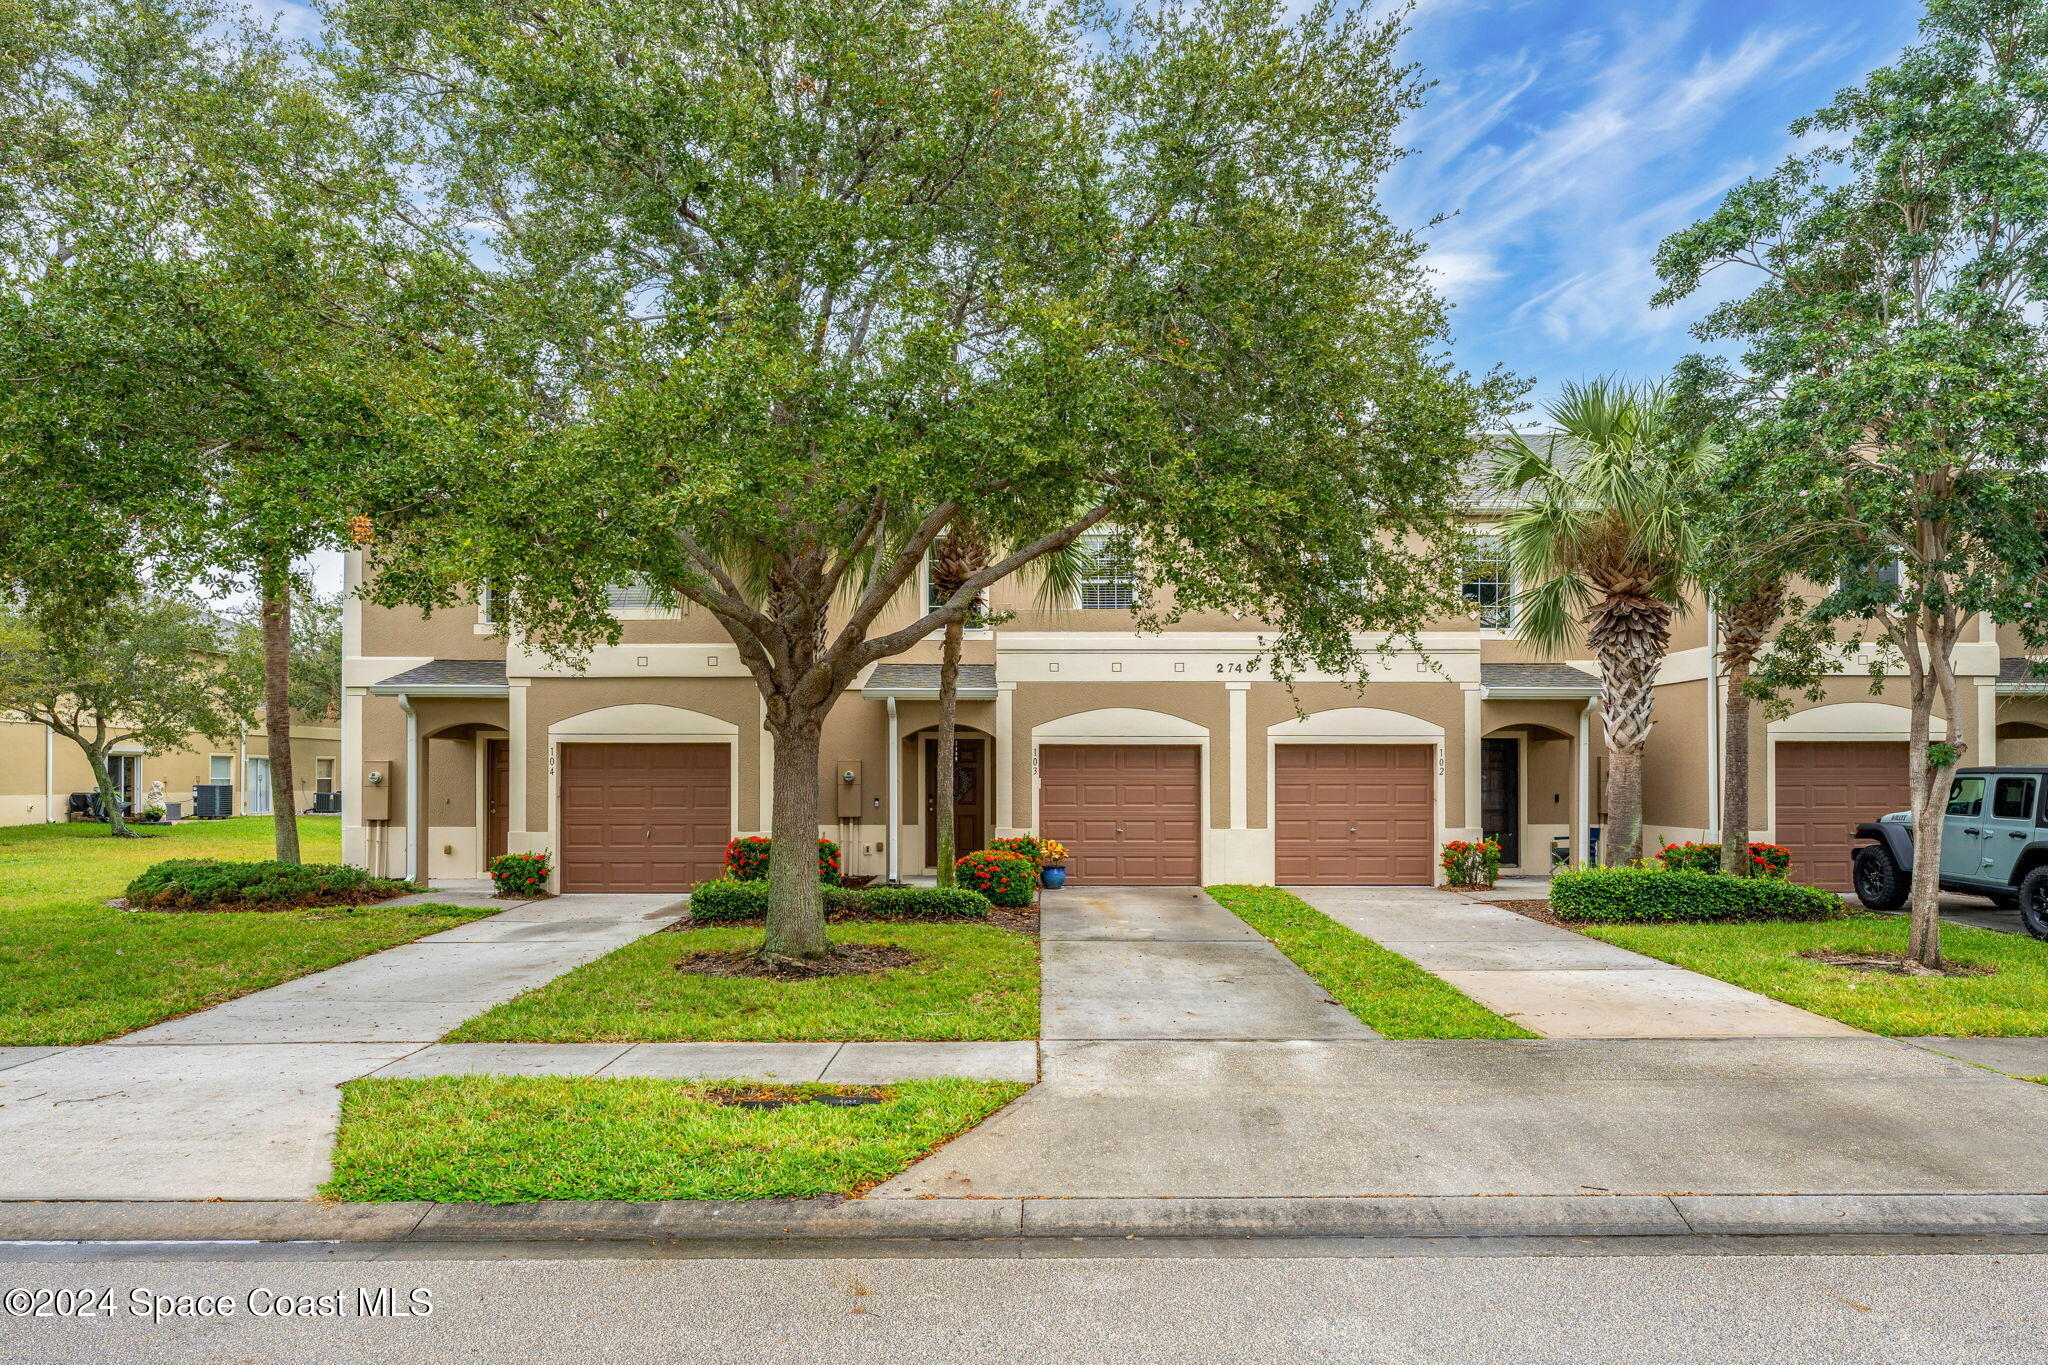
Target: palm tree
964 551
1604 541
1745 622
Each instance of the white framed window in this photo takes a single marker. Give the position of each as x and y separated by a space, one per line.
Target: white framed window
929 594
489 601
1890 575
1109 582
220 769
1490 584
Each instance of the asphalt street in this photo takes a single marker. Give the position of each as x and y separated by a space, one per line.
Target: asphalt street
1921 1302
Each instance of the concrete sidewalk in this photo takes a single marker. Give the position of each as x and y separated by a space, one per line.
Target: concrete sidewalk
1552 981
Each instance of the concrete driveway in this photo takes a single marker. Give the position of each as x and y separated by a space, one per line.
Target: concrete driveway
1251 1112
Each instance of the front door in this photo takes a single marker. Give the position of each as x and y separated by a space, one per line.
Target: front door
1962 833
1500 802
968 826
497 798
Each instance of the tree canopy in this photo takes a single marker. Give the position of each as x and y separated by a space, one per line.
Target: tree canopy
787 290
1893 395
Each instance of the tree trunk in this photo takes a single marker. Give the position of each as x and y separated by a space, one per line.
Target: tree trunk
1735 776
1628 636
944 779
110 800
1930 802
277 710
796 905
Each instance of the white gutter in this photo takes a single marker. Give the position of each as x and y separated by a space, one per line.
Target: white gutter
49 776
1716 765
1582 830
1510 692
412 787
241 787
895 798
428 691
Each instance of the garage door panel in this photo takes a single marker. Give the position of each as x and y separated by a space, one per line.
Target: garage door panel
1129 814
1386 793
1824 789
643 817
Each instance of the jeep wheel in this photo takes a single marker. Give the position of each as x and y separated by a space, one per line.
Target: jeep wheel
1880 885
2034 902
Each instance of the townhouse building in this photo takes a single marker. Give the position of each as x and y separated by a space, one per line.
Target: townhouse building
1165 758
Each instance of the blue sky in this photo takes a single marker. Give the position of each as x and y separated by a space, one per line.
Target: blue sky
1568 137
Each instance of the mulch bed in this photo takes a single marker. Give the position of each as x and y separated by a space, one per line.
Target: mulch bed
1023 921
1536 910
845 959
1897 964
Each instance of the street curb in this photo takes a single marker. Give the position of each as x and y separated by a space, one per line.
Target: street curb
1423 1216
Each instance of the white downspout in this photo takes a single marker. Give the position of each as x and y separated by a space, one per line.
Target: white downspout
241 787
1582 833
49 776
1716 773
895 798
412 787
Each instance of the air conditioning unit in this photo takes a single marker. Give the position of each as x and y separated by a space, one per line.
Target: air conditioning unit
326 803
213 800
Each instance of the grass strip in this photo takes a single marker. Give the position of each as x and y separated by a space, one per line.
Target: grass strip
971 982
1386 991
509 1139
2009 1001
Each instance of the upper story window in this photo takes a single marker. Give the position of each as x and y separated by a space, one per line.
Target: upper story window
636 594
1885 576
1108 580
934 599
1490 585
490 604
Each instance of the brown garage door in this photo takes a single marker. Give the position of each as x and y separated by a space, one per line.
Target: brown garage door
643 817
1354 814
1825 790
1130 815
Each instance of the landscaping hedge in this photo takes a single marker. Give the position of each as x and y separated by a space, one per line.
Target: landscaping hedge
729 899
209 884
1623 894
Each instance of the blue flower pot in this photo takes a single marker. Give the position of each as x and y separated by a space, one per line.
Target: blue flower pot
1052 878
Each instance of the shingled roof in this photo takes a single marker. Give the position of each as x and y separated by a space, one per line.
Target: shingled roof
977 681
1547 677
437 675
2016 674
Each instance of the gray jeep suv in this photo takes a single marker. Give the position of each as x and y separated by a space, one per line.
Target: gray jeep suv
1994 843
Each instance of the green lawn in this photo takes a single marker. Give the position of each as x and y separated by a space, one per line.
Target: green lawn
507 1139
1385 990
74 971
1764 957
973 981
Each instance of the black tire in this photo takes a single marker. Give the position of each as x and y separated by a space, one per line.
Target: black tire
2034 902
1879 882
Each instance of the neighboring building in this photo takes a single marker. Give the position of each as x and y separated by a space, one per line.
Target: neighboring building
40 769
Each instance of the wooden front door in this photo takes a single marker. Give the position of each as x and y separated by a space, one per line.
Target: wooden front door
1500 786
969 826
497 797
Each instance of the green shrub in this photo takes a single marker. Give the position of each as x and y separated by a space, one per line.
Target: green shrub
1621 894
520 874
1006 879
746 858
728 900
209 884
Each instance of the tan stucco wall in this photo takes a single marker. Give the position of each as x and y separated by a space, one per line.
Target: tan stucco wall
23 770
